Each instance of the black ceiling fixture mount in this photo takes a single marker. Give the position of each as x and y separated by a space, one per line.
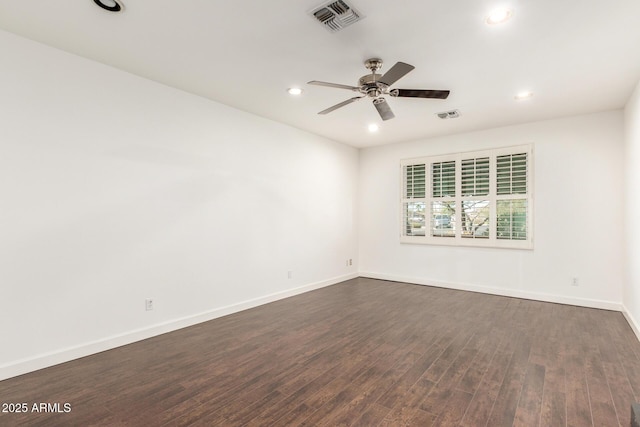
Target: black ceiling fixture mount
110 5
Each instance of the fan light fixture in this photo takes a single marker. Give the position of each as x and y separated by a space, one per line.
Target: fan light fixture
499 16
110 5
294 91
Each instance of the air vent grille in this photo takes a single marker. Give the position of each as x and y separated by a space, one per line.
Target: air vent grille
336 15
449 114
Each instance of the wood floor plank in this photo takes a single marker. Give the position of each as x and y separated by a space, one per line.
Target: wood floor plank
271 415
620 390
577 399
473 376
529 408
421 418
347 400
602 407
482 403
456 406
446 358
400 388
372 417
409 406
436 400
554 409
385 373
504 408
364 352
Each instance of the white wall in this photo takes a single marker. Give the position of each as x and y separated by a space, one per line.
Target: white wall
115 189
632 211
578 182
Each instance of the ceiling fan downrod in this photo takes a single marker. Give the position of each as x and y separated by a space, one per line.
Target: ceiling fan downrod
370 83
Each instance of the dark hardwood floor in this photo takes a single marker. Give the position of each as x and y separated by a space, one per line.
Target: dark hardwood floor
364 352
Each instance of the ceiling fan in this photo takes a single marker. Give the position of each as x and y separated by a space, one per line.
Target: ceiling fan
375 86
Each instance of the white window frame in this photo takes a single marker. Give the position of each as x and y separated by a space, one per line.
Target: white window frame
493 198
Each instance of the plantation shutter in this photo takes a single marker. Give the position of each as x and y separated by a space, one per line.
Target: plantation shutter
478 198
511 172
511 181
443 179
415 183
475 177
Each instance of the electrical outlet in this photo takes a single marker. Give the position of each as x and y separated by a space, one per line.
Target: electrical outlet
289 274
148 304
350 261
574 281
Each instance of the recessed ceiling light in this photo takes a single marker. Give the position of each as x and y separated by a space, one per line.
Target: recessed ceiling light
110 5
294 91
523 95
373 127
499 16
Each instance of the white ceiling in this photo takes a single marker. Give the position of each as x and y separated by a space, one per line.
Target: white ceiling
578 56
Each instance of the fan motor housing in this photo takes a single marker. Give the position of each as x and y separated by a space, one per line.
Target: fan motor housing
369 79
370 86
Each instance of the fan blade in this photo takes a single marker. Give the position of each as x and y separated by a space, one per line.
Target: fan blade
395 73
342 104
338 86
421 93
383 109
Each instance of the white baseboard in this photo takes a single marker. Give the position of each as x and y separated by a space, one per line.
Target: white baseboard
583 302
65 355
635 326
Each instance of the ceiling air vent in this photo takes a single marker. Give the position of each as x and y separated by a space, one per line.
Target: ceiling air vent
336 15
449 114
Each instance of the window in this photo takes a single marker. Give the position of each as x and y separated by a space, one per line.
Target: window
481 198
